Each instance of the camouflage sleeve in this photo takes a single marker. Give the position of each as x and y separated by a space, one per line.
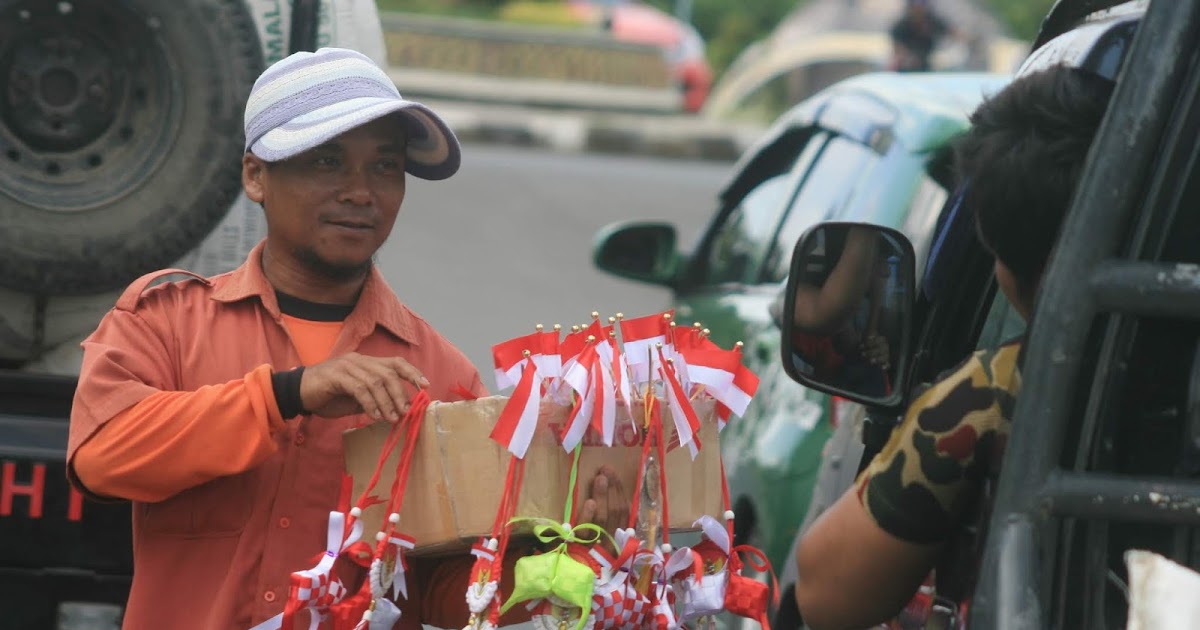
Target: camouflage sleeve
918 486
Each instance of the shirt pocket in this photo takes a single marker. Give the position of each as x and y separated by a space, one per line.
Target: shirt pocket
216 509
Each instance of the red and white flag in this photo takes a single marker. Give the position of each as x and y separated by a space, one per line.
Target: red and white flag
737 396
548 360
687 425
640 337
714 369
604 401
509 356
579 378
519 418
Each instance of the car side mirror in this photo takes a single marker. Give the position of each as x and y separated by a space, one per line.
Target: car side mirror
847 312
638 251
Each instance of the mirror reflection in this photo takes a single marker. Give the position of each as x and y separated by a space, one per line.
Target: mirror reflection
850 302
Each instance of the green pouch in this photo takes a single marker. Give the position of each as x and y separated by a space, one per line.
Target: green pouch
557 574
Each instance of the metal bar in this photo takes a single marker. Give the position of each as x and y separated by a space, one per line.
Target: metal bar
1148 289
1017 606
1120 498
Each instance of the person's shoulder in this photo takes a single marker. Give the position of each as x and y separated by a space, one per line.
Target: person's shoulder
165 288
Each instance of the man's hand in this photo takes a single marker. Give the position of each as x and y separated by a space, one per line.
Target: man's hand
607 505
355 383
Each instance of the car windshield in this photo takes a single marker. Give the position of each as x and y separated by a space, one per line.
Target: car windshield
829 186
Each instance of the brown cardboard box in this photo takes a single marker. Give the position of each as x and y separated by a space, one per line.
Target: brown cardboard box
458 472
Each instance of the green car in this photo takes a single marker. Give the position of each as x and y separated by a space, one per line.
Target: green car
873 148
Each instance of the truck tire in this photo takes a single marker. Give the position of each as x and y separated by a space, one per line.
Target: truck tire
120 135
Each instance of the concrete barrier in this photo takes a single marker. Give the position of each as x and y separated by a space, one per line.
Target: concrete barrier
497 62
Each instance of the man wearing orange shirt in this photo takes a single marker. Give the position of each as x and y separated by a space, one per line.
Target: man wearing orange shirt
217 405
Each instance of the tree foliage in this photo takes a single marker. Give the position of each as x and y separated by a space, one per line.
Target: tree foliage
1022 17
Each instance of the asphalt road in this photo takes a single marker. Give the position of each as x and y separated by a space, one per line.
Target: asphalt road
506 243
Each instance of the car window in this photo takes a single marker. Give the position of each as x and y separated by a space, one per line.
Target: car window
739 245
1003 323
828 186
921 222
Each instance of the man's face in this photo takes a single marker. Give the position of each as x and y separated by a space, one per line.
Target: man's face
330 208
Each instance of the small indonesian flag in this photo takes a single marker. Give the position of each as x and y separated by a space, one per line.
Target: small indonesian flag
640 335
687 425
689 339
715 369
571 345
738 395
508 357
546 356
519 418
603 337
604 401
579 377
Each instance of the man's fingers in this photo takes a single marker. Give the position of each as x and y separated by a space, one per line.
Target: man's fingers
357 381
387 384
408 372
587 513
600 499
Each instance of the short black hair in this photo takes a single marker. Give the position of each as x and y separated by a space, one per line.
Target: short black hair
1022 158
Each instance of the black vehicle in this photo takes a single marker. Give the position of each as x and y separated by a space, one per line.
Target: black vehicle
1105 447
71 187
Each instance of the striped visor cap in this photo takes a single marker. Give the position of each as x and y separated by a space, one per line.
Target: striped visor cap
308 98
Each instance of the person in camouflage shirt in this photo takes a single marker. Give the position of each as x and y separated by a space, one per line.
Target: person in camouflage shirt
863 560
951 439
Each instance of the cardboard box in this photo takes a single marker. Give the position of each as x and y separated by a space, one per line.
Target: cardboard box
458 472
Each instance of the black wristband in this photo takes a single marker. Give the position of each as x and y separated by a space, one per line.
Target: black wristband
286 386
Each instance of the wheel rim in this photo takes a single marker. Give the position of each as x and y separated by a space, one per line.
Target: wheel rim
91 103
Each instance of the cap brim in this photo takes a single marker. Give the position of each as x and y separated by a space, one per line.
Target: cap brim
432 151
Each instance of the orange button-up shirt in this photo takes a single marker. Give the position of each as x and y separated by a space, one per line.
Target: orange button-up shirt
228 498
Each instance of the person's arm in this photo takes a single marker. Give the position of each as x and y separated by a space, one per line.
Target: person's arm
863 560
852 573
171 441
823 309
135 435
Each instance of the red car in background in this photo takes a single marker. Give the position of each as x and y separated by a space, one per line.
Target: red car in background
639 23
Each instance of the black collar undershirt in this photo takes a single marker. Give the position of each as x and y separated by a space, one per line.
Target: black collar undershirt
312 311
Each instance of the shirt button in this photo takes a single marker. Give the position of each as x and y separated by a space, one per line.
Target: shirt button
299 439
269 596
285 522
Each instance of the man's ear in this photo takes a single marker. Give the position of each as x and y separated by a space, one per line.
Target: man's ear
253 168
